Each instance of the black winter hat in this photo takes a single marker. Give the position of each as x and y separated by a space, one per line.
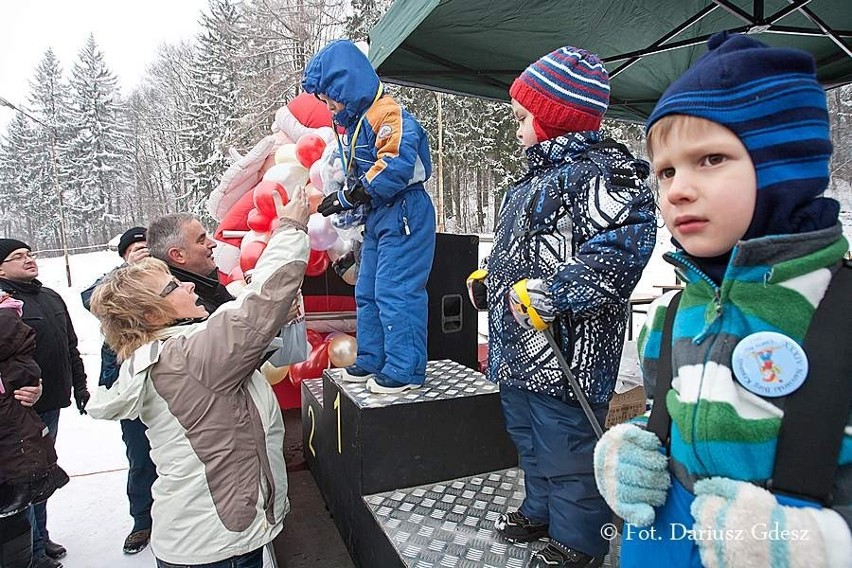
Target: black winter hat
130 236
7 246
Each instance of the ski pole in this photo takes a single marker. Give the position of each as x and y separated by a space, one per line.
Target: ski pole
575 386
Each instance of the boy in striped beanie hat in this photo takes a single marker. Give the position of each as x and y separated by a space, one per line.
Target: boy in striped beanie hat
567 90
572 238
740 145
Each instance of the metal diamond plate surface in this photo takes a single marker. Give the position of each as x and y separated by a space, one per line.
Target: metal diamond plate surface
445 379
315 388
451 524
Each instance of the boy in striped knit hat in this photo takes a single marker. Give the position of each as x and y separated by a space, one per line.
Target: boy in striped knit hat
572 238
740 144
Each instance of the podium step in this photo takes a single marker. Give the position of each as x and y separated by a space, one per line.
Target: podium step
451 524
358 443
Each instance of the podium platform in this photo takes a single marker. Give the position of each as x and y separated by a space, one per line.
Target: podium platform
452 523
358 443
417 479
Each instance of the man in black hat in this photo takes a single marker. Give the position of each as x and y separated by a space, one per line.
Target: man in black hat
132 247
56 354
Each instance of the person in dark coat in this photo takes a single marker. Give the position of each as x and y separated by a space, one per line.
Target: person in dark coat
570 243
28 469
56 354
181 241
132 247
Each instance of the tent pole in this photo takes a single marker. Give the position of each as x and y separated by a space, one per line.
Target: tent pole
440 226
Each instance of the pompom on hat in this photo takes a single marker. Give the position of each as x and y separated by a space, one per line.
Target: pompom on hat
8 246
567 90
770 98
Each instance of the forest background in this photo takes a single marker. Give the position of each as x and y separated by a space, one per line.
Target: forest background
116 161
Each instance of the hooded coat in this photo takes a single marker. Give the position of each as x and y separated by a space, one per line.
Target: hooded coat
582 220
388 151
214 424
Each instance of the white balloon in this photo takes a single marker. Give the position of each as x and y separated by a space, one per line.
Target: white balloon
339 248
289 175
327 134
321 234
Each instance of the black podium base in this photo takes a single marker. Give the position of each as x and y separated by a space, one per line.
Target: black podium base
358 443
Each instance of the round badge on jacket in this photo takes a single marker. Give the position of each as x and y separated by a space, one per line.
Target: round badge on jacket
769 364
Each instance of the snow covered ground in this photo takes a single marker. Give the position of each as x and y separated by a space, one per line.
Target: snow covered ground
90 515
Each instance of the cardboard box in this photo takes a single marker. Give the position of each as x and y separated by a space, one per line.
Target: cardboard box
625 406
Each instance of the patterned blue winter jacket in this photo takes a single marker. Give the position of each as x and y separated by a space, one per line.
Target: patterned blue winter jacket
582 219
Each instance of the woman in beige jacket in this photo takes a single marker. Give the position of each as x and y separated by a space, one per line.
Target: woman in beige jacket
214 425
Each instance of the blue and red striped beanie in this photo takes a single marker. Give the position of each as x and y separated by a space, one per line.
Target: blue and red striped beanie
771 99
567 90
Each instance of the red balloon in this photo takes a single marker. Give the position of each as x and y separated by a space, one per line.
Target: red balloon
314 338
257 221
318 262
313 367
249 253
235 219
263 201
309 148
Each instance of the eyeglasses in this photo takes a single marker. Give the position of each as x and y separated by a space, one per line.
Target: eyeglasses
20 257
170 287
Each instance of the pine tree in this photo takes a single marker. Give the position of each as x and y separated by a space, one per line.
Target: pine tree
21 200
214 99
96 157
49 101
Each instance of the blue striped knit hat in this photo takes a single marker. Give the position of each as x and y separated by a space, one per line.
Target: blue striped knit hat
567 90
771 99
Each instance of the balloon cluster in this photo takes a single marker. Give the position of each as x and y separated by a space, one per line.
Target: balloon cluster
335 349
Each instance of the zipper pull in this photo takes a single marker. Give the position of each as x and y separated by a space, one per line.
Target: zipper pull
405 226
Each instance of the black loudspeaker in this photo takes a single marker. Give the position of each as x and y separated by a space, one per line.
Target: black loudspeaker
452 318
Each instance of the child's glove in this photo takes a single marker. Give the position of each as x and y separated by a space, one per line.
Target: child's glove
631 472
349 218
742 517
530 304
477 289
344 199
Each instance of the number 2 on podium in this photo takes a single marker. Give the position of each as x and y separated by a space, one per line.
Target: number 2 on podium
339 437
313 427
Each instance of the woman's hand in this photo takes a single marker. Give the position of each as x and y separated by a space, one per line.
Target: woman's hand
28 396
296 209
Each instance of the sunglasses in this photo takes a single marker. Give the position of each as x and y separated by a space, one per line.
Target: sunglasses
170 287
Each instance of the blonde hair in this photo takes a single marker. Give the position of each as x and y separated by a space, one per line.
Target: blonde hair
131 314
662 129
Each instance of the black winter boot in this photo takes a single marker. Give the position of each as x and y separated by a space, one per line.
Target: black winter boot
16 541
516 527
556 555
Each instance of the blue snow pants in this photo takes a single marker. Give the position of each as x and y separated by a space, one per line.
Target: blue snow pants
556 445
142 473
393 306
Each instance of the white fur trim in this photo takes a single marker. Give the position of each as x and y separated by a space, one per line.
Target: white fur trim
836 537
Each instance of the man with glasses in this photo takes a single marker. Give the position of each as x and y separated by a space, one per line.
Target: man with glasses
183 244
141 474
56 354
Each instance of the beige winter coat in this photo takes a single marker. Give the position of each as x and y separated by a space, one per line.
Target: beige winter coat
215 428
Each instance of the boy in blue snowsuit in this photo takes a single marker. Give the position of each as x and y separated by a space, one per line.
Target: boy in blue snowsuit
572 238
386 155
741 147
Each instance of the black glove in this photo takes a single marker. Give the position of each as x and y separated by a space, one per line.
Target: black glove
344 199
81 396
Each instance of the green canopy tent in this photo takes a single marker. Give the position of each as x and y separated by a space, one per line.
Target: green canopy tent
478 47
